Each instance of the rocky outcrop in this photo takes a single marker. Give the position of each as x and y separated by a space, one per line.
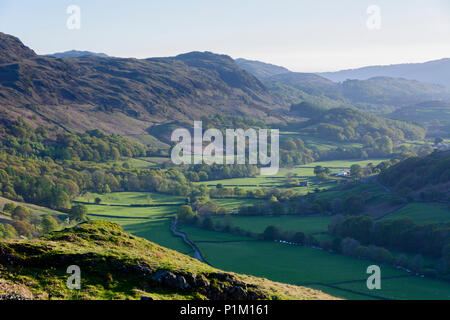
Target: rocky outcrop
215 286
11 291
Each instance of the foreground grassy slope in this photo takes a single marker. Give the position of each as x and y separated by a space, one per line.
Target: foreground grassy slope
116 265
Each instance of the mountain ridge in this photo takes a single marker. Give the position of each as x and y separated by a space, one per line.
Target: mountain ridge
434 71
76 54
154 89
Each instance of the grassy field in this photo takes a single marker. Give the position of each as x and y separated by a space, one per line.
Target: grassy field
303 173
129 198
277 261
341 293
38 209
234 203
302 265
259 224
146 222
149 140
132 212
285 263
410 288
198 234
422 213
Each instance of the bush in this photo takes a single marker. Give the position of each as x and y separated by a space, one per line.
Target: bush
21 213
9 207
185 213
78 213
271 233
48 224
23 228
7 231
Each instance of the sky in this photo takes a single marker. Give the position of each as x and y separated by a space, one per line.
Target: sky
302 35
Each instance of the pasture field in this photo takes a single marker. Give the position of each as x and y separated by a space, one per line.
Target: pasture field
303 173
286 223
234 203
35 208
156 160
410 288
309 267
198 234
130 198
151 223
140 164
141 198
132 212
423 213
339 293
286 263
149 140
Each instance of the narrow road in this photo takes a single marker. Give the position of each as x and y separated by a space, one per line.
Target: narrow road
197 253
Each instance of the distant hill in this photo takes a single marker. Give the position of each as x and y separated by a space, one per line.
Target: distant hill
349 124
377 95
260 69
144 90
129 96
374 89
309 83
77 54
395 92
437 71
434 115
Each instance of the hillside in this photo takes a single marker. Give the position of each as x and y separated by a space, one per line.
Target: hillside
260 69
348 124
434 115
129 96
427 178
437 71
13 50
392 91
116 265
126 93
378 94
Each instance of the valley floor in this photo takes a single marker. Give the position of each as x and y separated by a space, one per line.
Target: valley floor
335 274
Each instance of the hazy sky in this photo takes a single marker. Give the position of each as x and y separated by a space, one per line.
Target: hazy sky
303 35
